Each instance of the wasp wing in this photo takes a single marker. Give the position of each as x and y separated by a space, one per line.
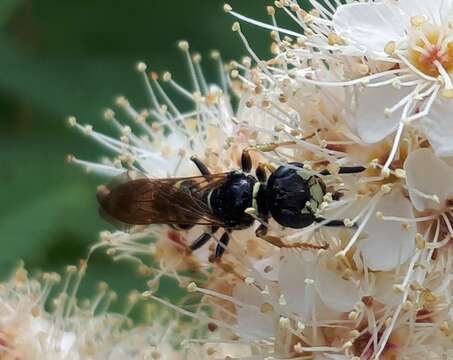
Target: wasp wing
161 201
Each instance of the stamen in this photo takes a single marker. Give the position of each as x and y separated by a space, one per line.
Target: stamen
360 81
229 10
148 295
445 76
197 60
369 212
184 46
262 65
142 69
101 169
396 142
409 220
432 197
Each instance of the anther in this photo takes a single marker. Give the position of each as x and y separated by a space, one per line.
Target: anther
400 173
284 322
122 101
447 93
270 10
141 67
347 345
334 39
183 45
390 48
72 121
71 269
348 223
215 54
192 287
298 348
227 8
109 114
418 20
146 295
385 173
70 158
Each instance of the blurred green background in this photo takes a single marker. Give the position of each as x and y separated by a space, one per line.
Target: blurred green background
72 57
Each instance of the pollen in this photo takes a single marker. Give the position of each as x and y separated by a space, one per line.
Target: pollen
431 50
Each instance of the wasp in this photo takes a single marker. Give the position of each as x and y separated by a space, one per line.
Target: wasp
234 200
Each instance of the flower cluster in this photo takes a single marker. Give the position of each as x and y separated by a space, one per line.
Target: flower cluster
41 318
364 85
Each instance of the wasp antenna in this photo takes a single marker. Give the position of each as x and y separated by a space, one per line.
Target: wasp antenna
200 165
308 246
246 161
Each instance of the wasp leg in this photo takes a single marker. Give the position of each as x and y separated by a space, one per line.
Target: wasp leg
297 164
261 232
201 167
221 246
351 169
203 239
346 170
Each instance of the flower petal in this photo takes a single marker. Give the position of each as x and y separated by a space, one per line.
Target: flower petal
336 293
429 175
388 243
252 324
373 125
383 289
436 10
268 267
438 127
299 296
370 26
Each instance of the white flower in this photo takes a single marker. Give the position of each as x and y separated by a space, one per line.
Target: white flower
28 330
415 39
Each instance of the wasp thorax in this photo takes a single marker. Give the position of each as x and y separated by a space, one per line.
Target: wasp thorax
293 196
